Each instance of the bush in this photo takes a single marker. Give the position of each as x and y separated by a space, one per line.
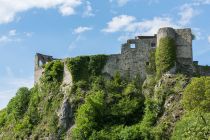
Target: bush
193 126
109 103
197 94
53 71
84 67
165 56
89 115
19 104
3 114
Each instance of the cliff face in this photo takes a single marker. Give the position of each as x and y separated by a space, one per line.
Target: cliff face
75 100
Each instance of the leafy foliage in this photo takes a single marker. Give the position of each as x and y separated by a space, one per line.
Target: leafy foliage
196 123
19 104
27 114
197 94
165 56
53 71
114 103
151 68
83 67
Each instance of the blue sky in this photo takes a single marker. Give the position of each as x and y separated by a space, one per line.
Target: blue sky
67 28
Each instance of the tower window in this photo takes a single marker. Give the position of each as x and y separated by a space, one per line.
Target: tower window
153 45
133 46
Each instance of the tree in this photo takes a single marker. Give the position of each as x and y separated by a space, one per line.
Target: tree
197 94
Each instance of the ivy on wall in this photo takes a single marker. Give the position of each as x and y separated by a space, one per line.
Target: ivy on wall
84 67
165 55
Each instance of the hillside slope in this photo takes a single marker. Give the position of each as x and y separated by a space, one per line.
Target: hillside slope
99 107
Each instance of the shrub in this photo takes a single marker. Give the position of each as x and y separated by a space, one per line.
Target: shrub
19 104
197 94
165 56
53 71
192 126
84 67
89 115
3 114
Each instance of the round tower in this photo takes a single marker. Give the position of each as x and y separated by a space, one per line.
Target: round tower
165 32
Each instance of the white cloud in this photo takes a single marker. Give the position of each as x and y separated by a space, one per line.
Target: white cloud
12 32
199 2
130 27
125 23
28 34
118 23
9 37
81 29
209 39
88 10
9 9
120 2
4 39
187 12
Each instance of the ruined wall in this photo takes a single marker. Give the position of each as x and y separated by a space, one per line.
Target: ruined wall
132 60
40 60
203 70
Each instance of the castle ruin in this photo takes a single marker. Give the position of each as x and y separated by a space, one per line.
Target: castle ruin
134 56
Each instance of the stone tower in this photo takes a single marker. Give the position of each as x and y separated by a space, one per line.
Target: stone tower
183 40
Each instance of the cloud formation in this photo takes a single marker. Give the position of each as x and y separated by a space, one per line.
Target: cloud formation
119 23
187 12
81 29
209 39
130 27
125 23
9 9
88 12
13 36
120 2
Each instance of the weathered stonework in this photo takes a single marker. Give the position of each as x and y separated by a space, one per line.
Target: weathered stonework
40 60
135 56
132 61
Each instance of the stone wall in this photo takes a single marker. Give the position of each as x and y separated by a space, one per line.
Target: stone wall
40 60
203 70
184 43
132 60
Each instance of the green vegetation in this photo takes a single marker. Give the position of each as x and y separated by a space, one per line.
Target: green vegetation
104 108
151 68
116 103
196 122
53 71
29 112
83 67
165 56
